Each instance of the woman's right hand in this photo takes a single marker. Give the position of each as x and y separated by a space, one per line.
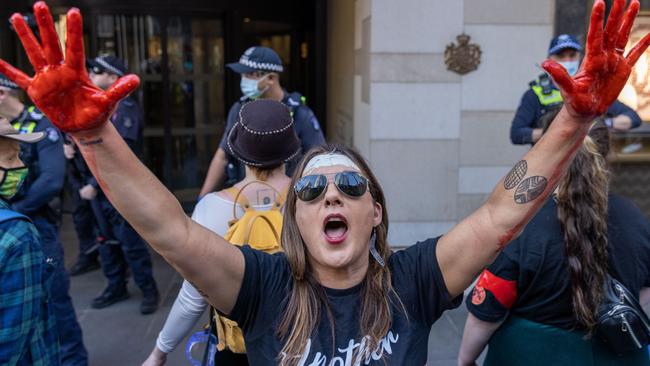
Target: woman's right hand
156 358
61 87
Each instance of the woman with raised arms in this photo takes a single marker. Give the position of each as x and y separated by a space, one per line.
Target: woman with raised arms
337 295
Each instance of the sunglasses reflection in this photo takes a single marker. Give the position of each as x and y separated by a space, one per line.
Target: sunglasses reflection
313 186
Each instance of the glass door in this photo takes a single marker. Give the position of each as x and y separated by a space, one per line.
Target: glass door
180 63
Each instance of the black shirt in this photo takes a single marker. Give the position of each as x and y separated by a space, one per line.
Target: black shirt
416 278
533 271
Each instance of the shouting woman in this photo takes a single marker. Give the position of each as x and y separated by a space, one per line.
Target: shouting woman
337 295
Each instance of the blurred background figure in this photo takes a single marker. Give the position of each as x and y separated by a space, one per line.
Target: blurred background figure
132 250
259 68
548 284
85 224
543 97
40 199
29 335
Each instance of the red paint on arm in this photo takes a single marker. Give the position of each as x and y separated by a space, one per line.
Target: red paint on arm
604 70
62 89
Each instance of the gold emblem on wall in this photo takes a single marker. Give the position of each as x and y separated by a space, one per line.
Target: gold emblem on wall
463 57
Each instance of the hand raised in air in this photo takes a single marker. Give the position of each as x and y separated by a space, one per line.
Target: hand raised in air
61 88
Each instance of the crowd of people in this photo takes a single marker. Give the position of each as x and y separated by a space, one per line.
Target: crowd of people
287 246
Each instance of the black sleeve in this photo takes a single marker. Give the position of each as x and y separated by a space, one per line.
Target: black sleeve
230 121
264 290
419 283
618 108
73 176
628 226
308 128
495 291
521 131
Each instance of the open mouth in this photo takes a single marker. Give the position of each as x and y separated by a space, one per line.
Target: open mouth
335 228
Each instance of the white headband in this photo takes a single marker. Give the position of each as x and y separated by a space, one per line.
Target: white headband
329 159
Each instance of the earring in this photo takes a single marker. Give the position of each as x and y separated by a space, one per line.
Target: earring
373 249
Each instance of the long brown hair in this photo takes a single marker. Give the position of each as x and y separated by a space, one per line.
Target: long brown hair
582 211
308 298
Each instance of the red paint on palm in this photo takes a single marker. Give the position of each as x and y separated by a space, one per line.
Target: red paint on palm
61 88
604 70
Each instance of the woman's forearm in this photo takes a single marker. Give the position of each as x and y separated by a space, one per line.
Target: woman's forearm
134 191
520 194
514 201
205 259
476 336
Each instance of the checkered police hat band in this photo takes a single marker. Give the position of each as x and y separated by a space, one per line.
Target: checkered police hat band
108 67
244 60
8 83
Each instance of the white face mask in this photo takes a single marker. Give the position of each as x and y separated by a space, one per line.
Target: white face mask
250 87
571 66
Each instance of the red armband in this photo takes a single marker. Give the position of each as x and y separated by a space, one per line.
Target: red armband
505 291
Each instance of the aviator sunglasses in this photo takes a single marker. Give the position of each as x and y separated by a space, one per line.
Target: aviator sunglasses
311 187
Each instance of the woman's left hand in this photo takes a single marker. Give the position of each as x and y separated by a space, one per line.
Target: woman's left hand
605 69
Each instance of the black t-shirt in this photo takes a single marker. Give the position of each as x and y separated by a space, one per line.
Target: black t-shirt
530 278
416 278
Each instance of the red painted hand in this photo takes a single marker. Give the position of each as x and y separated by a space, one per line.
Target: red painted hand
62 89
604 70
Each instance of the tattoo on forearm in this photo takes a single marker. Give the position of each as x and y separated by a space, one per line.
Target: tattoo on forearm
199 290
85 142
530 188
517 173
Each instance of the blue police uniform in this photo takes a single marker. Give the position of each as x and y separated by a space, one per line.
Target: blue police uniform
39 198
127 119
306 126
87 216
533 106
78 175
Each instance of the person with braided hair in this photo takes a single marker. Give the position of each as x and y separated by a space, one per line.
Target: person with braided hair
547 285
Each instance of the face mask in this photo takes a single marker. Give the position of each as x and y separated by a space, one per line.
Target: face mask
571 66
250 87
12 181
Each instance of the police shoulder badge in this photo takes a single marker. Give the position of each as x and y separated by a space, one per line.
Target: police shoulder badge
463 57
52 134
314 123
35 114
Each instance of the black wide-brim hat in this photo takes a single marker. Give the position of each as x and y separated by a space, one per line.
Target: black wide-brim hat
264 135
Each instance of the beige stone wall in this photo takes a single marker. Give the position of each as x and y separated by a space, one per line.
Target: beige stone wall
340 71
438 141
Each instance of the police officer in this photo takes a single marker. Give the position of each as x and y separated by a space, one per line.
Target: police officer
260 69
128 121
90 224
85 224
543 96
39 198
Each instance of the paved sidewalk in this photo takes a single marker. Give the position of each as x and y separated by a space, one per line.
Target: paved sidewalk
119 335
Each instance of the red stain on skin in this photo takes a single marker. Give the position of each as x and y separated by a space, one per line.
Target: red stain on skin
605 69
594 88
62 89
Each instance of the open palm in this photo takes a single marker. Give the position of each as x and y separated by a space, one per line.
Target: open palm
604 70
61 89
